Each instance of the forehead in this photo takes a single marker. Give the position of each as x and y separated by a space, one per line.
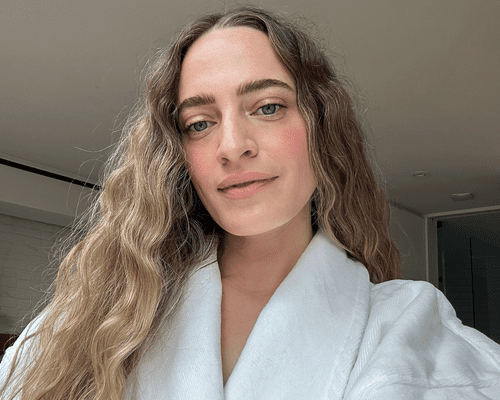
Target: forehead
224 58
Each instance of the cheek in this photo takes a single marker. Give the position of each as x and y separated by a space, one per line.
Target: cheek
294 149
294 144
198 167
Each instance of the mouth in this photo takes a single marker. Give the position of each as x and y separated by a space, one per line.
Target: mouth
242 185
247 189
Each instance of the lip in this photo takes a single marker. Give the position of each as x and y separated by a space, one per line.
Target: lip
247 191
238 179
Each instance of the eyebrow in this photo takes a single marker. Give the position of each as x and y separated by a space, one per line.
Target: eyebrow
261 84
243 89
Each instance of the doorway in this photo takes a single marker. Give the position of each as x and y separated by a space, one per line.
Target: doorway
469 269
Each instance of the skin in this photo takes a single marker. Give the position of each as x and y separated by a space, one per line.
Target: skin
265 234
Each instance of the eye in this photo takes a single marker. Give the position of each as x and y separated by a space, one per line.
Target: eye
270 109
199 126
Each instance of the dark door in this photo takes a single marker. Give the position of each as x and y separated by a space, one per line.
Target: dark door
469 276
485 263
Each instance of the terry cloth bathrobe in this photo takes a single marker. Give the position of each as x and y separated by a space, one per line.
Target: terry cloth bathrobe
326 333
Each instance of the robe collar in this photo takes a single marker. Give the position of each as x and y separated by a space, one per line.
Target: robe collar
303 345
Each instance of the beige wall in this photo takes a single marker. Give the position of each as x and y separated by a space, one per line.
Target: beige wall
408 231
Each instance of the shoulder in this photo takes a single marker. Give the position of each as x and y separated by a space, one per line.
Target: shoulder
392 298
414 346
404 303
402 289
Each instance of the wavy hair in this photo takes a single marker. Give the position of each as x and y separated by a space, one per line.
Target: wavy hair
148 230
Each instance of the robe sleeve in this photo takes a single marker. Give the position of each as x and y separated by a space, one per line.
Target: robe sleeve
24 358
414 347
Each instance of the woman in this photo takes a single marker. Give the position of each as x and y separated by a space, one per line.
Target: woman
240 247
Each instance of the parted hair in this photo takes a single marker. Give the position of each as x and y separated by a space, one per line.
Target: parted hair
148 232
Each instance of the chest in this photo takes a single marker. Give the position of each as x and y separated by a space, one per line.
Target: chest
238 317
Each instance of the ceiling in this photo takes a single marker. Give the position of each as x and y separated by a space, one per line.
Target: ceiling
426 72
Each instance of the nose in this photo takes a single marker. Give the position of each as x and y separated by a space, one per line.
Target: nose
237 140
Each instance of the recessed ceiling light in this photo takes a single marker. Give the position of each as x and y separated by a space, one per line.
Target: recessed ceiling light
462 196
419 174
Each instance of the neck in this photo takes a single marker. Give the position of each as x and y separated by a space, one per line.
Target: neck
256 265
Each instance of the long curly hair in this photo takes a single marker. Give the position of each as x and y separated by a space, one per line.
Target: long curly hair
148 230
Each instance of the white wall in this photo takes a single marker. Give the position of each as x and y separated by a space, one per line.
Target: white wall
408 231
33 211
31 196
24 257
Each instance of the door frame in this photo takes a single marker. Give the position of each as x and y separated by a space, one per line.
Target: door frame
431 235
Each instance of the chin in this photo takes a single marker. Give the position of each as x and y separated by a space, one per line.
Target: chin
252 229
245 230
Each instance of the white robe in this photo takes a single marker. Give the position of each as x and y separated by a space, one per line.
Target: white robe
326 333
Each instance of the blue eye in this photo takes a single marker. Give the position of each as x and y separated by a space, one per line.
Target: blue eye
198 126
269 109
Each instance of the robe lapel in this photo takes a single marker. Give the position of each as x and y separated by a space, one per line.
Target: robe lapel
303 345
305 341
184 361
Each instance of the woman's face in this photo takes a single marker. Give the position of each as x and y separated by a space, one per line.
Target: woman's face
238 113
